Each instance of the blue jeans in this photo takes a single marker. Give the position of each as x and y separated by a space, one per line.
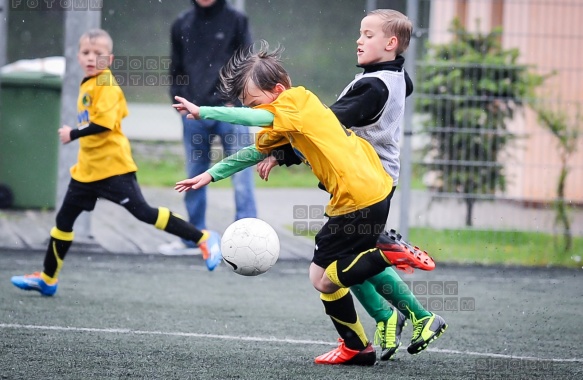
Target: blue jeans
198 135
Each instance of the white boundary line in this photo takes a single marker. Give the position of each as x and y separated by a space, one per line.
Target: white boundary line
260 339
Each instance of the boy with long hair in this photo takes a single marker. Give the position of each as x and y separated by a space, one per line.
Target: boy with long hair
345 164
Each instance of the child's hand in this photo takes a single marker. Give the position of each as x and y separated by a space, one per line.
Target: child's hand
265 166
193 183
65 134
185 105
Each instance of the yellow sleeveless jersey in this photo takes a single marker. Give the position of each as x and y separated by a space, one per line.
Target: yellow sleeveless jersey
101 101
347 165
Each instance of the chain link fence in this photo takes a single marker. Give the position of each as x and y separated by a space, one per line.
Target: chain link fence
485 71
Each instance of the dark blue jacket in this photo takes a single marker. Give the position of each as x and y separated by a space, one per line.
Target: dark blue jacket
203 40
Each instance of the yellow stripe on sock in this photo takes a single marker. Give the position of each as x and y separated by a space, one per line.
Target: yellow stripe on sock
334 296
61 235
178 216
385 258
356 327
205 236
332 273
52 280
163 218
357 258
49 280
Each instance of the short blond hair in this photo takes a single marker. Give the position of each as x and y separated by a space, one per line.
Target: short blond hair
395 24
98 33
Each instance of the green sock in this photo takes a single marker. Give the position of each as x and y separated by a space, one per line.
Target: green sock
375 305
390 285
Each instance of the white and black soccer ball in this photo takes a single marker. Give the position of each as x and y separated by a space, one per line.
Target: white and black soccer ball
250 246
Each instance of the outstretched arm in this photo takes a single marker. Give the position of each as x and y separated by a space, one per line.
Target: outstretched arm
243 159
193 183
237 115
184 105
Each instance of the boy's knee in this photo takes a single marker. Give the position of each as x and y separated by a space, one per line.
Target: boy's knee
320 280
324 285
327 286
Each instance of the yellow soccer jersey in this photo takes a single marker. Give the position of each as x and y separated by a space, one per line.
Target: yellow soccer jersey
106 154
347 165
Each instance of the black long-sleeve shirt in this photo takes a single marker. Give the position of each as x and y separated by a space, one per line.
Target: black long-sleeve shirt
360 106
203 40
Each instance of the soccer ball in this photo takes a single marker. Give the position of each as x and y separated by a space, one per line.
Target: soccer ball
250 246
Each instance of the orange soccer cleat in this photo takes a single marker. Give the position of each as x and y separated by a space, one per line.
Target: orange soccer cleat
402 254
347 356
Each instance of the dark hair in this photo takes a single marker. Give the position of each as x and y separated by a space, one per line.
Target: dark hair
263 67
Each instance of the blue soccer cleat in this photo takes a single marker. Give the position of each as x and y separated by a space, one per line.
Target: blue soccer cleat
211 250
34 282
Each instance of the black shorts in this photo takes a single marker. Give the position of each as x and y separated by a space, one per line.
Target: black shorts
120 189
350 234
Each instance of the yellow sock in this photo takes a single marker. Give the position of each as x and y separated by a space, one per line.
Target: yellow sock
205 236
49 280
340 307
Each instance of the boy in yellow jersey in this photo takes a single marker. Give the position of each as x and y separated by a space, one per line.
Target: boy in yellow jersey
373 105
105 168
348 167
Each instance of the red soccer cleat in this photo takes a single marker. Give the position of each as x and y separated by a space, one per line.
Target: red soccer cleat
403 255
347 356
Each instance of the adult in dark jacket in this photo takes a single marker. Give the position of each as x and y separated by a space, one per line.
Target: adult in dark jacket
203 39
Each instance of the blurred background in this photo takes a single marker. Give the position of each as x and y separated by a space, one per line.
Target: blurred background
492 148
317 35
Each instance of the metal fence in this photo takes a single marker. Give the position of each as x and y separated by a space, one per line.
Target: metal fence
475 136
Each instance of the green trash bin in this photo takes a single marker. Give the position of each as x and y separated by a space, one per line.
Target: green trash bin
30 106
